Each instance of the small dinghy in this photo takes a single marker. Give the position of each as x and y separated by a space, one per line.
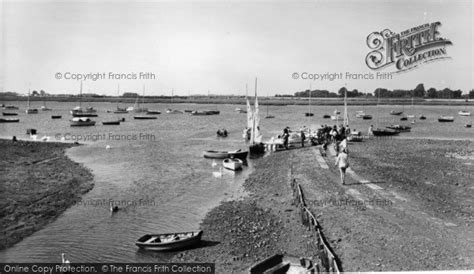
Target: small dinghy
169 241
233 164
10 114
56 116
214 154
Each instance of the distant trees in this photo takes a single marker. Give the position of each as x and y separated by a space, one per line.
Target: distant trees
419 92
130 94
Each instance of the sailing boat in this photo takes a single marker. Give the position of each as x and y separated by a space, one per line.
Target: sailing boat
173 111
446 118
268 116
136 108
248 128
119 109
382 131
256 145
79 112
44 107
30 110
309 113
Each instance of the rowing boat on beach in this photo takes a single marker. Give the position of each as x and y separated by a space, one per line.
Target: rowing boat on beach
169 241
214 154
384 132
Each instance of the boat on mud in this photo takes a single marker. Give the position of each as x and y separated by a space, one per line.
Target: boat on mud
9 120
464 113
384 132
394 112
143 117
117 122
284 264
169 241
10 114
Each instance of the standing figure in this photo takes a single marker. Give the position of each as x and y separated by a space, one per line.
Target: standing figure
342 161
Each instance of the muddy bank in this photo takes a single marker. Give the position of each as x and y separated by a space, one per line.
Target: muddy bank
38 182
417 217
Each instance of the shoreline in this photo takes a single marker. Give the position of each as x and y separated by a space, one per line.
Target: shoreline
40 182
415 223
240 100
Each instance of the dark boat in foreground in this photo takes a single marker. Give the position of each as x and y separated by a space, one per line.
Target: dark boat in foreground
225 154
56 116
384 132
9 120
169 241
10 114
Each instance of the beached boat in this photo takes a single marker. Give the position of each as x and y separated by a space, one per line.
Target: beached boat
201 112
82 122
56 116
9 120
233 164
10 107
10 114
326 116
384 132
422 117
169 241
142 117
400 128
215 154
464 113
394 112
367 117
404 118
284 264
445 118
117 122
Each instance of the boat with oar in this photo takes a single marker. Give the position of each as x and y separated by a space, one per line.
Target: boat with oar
284 264
215 154
445 119
233 163
400 128
9 120
169 241
82 122
10 114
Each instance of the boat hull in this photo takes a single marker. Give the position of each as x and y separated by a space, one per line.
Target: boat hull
83 124
9 114
111 123
233 164
385 132
145 117
213 154
146 242
3 120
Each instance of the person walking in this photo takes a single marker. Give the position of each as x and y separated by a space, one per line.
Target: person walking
342 161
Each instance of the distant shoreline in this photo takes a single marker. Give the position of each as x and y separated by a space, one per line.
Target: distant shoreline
240 100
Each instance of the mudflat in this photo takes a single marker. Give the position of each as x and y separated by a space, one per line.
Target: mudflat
38 182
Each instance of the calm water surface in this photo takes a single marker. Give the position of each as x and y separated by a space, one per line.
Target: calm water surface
161 175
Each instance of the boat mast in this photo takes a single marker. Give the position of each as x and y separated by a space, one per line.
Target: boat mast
80 96
346 117
118 92
309 105
254 117
143 98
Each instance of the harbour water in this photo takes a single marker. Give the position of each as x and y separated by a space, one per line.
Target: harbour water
155 170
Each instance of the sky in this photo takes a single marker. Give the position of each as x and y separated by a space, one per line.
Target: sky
219 47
